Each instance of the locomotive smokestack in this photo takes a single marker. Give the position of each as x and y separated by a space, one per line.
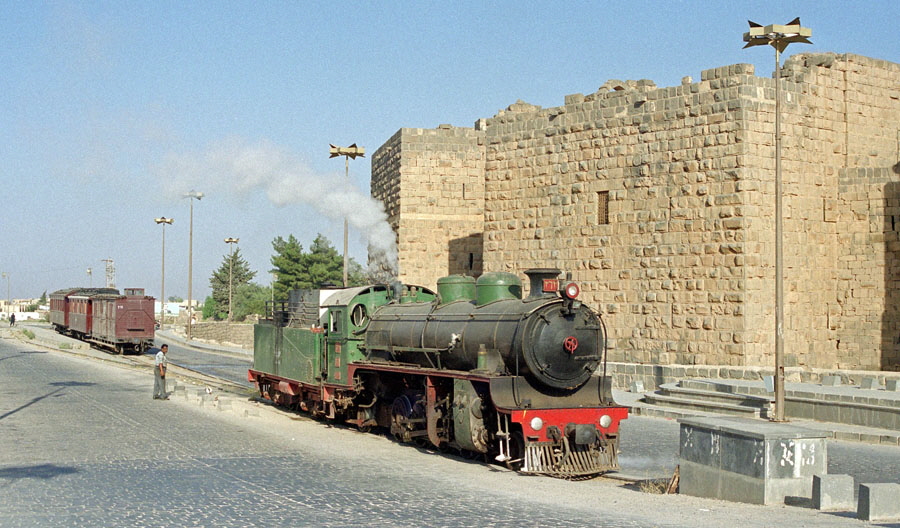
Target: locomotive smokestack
536 277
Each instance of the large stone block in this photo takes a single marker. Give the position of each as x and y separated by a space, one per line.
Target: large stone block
749 461
879 502
833 492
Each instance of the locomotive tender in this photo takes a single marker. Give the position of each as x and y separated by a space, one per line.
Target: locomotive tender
106 318
475 367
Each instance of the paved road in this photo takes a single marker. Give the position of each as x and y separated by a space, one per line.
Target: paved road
226 366
83 443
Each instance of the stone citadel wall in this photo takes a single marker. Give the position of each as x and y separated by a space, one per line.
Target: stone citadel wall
660 201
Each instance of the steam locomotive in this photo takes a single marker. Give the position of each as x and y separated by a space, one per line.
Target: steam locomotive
473 367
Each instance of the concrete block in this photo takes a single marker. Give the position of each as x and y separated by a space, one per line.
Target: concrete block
892 385
869 384
743 461
833 492
831 381
769 383
879 502
637 386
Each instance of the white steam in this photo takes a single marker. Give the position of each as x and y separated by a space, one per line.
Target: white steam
241 168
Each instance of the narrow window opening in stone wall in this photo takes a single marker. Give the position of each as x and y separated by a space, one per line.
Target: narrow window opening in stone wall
603 207
464 192
471 260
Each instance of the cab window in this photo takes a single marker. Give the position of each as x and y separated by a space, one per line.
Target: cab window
334 321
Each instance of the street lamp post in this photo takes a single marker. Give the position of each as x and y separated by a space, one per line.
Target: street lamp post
8 303
348 152
231 241
778 36
162 302
192 195
90 272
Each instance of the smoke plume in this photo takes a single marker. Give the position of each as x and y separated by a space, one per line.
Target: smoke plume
242 168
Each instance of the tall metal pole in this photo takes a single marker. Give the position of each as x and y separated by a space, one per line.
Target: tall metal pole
231 241
191 196
162 303
347 175
8 303
190 320
778 36
352 151
779 255
162 293
230 279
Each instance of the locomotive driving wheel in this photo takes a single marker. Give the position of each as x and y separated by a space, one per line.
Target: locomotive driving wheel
400 412
516 451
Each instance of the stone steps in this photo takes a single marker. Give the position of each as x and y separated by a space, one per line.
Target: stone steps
715 407
708 398
842 405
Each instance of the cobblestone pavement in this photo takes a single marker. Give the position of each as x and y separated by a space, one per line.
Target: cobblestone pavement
83 444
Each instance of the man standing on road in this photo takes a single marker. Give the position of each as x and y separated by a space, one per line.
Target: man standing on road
12 319
159 374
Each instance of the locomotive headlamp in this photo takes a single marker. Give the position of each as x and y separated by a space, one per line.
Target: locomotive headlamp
605 421
537 423
571 290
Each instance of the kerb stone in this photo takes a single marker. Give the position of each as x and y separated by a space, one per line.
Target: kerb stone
833 492
879 502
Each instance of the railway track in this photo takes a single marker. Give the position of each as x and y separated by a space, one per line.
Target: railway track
45 337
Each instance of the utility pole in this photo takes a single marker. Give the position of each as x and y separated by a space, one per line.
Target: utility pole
231 241
192 195
778 36
348 152
162 302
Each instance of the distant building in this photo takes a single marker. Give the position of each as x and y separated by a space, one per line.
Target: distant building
660 201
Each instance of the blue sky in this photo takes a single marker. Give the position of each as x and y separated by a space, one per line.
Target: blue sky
112 110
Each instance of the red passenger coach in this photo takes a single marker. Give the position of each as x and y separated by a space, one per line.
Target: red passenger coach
104 317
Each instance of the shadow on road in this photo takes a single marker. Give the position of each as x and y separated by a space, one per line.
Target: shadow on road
41 471
61 387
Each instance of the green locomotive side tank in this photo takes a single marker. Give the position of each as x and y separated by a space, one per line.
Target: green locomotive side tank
556 342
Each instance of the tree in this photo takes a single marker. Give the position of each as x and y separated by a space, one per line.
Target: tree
209 307
43 299
322 265
175 299
288 265
238 270
250 299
